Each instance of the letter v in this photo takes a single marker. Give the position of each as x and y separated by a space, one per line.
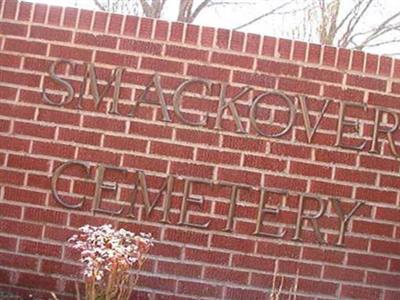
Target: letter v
306 116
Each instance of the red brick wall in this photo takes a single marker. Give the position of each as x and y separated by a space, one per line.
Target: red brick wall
187 262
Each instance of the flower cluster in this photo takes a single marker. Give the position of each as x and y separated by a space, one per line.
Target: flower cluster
105 250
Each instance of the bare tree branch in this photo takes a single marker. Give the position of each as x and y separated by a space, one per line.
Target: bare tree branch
262 16
99 5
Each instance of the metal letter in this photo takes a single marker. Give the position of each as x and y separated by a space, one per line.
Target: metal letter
388 131
100 185
223 105
342 122
313 218
262 211
57 173
253 114
59 80
188 198
343 218
155 81
94 89
178 99
235 193
306 117
167 187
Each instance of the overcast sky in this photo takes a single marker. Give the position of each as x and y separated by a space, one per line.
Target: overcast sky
282 25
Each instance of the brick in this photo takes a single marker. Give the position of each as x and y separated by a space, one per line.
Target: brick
360 292
8 243
176 32
113 59
253 43
179 269
182 236
232 243
192 169
298 86
145 163
14 144
343 94
70 17
357 62
331 189
16 78
277 68
268 46
54 17
8 210
366 82
115 24
13 29
329 56
96 40
52 149
22 46
223 36
9 60
318 287
378 163
56 267
29 129
225 275
218 157
150 130
237 41
232 60
294 267
18 261
7 93
206 256
50 34
199 289
140 46
355 176
70 53
171 150
60 117
366 260
161 31
161 65
257 79
21 228
131 25
385 280
371 65
17 111
40 13
285 182
145 27
99 156
104 123
79 136
264 163
376 195
192 34
10 9
322 75
44 215
385 66
37 281
284 48
314 53
346 158
26 162
386 247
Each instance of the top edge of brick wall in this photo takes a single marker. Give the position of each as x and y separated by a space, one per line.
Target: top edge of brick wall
100 22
